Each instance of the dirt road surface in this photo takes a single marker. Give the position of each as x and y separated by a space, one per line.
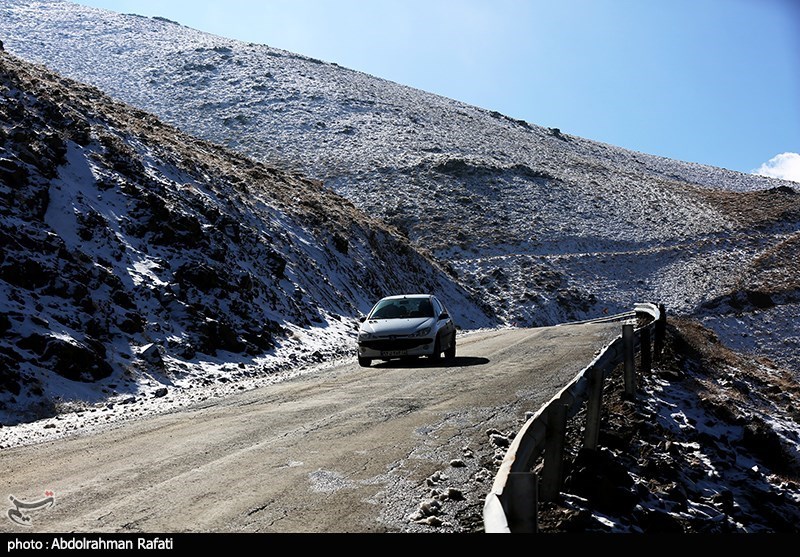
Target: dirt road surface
350 450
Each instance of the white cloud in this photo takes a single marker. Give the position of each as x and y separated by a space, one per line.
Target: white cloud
785 166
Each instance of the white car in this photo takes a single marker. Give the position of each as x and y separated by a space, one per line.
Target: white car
406 326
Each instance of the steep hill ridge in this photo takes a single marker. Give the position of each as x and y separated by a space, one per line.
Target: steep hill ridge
134 250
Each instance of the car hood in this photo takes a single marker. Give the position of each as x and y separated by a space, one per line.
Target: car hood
404 326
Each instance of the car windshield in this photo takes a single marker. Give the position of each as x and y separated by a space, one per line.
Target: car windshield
403 308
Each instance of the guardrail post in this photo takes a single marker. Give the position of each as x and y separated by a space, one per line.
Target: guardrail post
594 407
629 359
522 502
646 355
660 331
554 452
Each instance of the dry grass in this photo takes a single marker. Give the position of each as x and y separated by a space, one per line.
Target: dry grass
753 209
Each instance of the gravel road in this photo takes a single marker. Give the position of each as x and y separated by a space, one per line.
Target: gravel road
390 448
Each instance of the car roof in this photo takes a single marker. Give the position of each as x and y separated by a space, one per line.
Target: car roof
401 296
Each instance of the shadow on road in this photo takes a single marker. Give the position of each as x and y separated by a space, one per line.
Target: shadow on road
458 361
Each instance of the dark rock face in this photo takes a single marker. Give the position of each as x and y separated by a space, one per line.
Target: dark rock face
764 442
78 362
603 482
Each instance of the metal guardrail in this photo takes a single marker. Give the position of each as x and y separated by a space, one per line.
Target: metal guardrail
512 504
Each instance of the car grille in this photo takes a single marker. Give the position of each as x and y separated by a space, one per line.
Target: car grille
395 344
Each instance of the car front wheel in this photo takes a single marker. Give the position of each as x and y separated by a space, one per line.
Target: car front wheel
364 362
437 350
450 353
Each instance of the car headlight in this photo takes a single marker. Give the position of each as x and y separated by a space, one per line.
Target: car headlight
421 332
364 336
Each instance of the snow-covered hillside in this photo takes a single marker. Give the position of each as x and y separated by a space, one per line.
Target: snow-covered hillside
143 268
550 227
137 257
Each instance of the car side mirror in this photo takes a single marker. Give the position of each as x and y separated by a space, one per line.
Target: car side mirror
362 318
443 315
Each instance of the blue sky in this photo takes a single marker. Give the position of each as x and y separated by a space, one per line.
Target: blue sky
709 81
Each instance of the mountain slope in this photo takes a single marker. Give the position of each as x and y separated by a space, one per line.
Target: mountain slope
550 227
134 252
